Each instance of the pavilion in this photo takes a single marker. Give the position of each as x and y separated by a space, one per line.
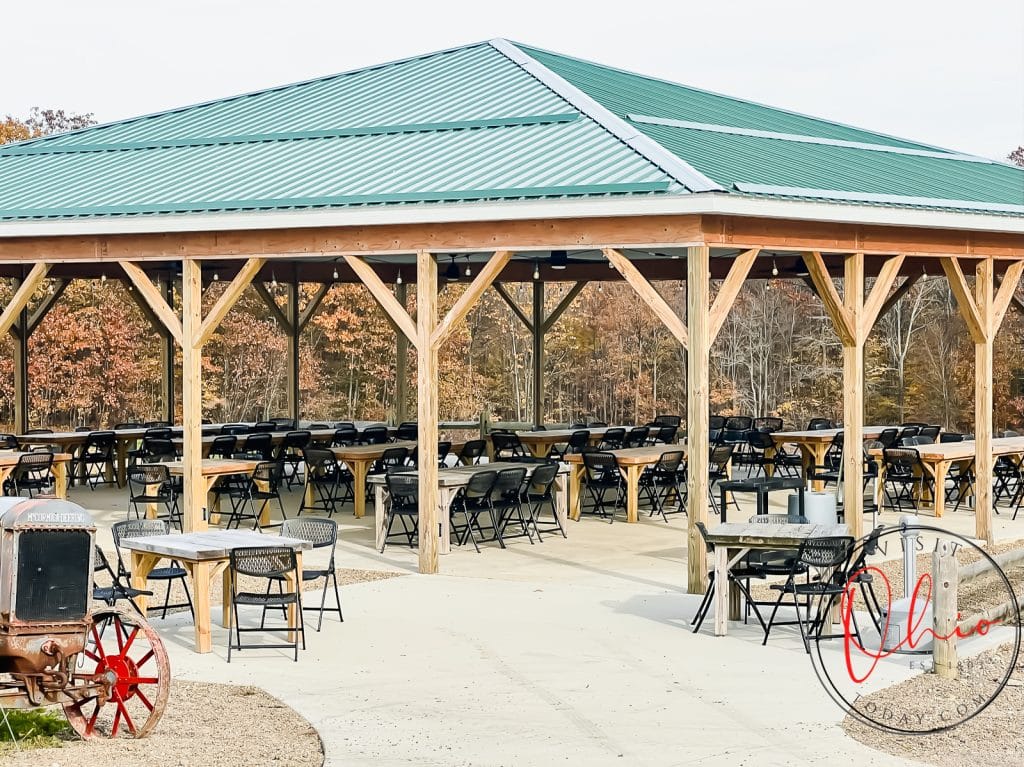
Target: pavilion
521 162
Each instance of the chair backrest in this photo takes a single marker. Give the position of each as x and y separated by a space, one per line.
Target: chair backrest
319 426
889 437
666 434
909 424
403 487
262 443
394 456
408 430
613 438
637 436
716 422
777 519
319 532
509 481
262 561
669 420
829 551
8 441
223 446
481 484
768 424
930 433
900 460
819 423
720 456
906 432
127 425
144 474
506 444
320 463
157 425
39 431
374 435
760 440
473 450
444 447
265 426
83 428
703 530
283 423
597 424
158 449
33 463
599 464
345 436
270 472
295 440
234 428
578 440
951 436
669 462
137 528
739 423
542 478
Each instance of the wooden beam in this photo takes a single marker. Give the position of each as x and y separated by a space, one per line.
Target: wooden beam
483 280
565 303
507 298
151 295
649 295
1007 290
538 353
43 307
879 293
147 312
394 310
983 461
853 396
401 360
897 294
294 352
21 297
194 499
272 305
962 292
730 289
698 403
227 299
1017 304
309 311
426 416
830 299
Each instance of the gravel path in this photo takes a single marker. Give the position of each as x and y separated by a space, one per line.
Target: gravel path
211 725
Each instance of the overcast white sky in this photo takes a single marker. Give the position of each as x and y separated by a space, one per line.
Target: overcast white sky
942 72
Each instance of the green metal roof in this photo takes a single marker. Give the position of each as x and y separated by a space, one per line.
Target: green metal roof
491 121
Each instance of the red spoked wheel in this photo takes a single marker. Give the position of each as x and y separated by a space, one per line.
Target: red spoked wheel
124 655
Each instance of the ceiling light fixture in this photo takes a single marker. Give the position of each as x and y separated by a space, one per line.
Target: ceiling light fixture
559 259
398 279
103 277
775 269
334 274
216 277
469 272
273 280
536 270
451 274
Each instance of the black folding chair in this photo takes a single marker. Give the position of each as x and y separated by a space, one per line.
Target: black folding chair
150 484
660 483
277 564
602 476
322 533
330 482
472 500
538 494
403 504
141 528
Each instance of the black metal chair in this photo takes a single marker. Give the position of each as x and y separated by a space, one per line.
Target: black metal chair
118 588
277 564
719 460
578 440
637 436
831 467
223 446
444 447
889 437
538 494
408 430
32 473
597 424
267 426
761 453
668 420
473 500
156 425
507 504
95 461
613 439
602 475
827 556
322 533
345 436
663 435
507 446
8 442
906 476
261 444
252 493
768 424
374 435
905 433
930 433
289 453
150 484
739 574
472 452
141 528
331 484
234 428
402 504
660 482
816 424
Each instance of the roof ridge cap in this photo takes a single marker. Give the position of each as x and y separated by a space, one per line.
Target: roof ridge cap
668 162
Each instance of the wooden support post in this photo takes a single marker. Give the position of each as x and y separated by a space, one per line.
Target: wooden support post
294 316
538 353
853 398
983 460
194 497
426 347
944 609
698 293
21 399
167 353
401 361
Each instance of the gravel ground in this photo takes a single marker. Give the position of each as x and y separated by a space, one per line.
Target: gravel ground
204 724
992 737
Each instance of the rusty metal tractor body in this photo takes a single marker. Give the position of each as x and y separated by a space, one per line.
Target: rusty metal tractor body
51 652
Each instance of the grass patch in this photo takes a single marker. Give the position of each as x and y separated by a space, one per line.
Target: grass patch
33 728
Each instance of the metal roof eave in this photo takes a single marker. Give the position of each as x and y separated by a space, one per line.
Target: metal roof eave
440 213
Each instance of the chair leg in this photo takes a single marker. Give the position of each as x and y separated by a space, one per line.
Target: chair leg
702 610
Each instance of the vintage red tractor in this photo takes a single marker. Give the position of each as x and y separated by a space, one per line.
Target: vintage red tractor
104 665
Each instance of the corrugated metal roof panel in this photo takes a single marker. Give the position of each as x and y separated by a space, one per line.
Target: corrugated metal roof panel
558 159
730 158
626 92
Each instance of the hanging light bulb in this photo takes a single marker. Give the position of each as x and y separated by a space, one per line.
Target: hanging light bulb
273 280
398 279
775 269
924 272
469 272
216 277
610 264
334 274
103 277
536 270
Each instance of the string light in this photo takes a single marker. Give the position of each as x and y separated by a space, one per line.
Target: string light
469 272
334 274
216 277
398 279
273 280
536 270
775 269
103 277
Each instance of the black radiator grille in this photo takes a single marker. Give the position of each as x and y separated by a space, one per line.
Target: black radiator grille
54 575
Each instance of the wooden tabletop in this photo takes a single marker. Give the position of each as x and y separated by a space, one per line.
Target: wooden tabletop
208 545
561 435
367 452
823 435
958 451
749 535
634 455
10 457
214 466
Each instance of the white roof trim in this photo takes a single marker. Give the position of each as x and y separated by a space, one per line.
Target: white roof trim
891 199
806 139
675 167
712 204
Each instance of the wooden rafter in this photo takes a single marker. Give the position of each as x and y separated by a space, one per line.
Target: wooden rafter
896 295
649 295
964 299
22 295
730 289
1007 291
43 307
151 295
273 306
382 293
227 299
483 280
826 290
516 310
879 293
309 311
556 313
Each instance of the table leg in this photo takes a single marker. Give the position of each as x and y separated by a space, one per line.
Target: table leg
769 461
264 516
817 456
721 591
379 499
213 505
142 564
200 574
122 462
575 490
225 598
633 493
539 449
60 479
360 468
561 495
151 509
724 505
445 498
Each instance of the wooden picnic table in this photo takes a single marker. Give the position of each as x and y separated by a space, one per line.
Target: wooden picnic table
939 457
212 470
359 459
204 556
814 444
449 482
733 540
632 460
319 437
73 441
540 442
9 460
